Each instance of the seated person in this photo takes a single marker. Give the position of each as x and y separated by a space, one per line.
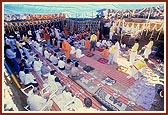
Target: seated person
21 75
45 69
46 53
98 44
72 50
67 65
79 53
87 105
29 79
61 64
54 59
37 102
75 74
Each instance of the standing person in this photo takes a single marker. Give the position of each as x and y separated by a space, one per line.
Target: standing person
111 32
93 41
46 35
148 48
138 67
134 50
67 48
11 56
111 54
87 44
117 50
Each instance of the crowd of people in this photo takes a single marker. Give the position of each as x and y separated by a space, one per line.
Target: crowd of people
20 56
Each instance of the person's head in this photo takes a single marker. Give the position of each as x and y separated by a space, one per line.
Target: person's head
36 91
23 53
52 72
23 60
25 57
26 71
21 68
88 102
37 56
57 79
146 60
55 54
76 64
152 39
136 41
61 58
68 61
106 47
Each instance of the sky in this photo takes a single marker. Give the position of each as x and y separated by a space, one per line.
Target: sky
72 9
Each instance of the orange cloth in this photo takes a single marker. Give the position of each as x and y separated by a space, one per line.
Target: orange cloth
46 35
67 48
87 44
105 53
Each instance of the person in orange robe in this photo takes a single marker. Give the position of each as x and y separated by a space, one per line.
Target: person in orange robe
105 53
87 44
67 48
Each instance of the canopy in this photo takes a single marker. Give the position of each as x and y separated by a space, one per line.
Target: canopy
73 10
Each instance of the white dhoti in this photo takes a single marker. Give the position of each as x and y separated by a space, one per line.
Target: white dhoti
111 35
132 57
147 52
116 55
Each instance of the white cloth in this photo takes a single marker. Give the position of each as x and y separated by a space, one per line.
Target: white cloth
22 76
38 37
61 64
57 34
54 59
132 57
46 54
104 42
108 43
73 51
117 50
79 53
147 52
98 44
29 78
10 54
40 50
37 65
36 102
29 32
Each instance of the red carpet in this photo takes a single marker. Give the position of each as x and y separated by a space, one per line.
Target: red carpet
109 70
